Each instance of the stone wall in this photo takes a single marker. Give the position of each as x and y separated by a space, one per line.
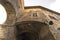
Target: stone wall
7 32
43 15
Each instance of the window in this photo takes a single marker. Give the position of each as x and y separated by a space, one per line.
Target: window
3 14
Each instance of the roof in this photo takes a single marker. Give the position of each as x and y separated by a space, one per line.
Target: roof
28 7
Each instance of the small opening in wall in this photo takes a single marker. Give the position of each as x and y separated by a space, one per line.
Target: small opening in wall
51 23
3 14
35 14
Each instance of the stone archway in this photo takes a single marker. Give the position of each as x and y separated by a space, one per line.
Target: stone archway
11 14
10 21
33 30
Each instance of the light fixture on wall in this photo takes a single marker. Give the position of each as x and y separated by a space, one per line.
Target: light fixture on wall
3 14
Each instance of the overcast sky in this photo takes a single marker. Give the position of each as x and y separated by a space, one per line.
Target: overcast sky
3 14
45 3
51 4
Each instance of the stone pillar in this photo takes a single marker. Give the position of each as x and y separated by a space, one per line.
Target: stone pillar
7 32
21 4
20 8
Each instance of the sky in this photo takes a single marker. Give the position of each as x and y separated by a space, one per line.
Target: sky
55 6
51 4
44 3
3 14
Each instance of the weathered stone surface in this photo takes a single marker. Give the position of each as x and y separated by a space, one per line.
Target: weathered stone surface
7 32
39 30
39 22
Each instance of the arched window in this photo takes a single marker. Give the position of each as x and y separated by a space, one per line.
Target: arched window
3 14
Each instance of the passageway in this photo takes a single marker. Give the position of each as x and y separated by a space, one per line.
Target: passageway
32 30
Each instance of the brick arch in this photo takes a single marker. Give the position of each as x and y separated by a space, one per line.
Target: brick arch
11 14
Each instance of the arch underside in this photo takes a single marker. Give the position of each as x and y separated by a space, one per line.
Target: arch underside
11 14
33 30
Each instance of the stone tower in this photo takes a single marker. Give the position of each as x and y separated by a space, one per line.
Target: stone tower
29 23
